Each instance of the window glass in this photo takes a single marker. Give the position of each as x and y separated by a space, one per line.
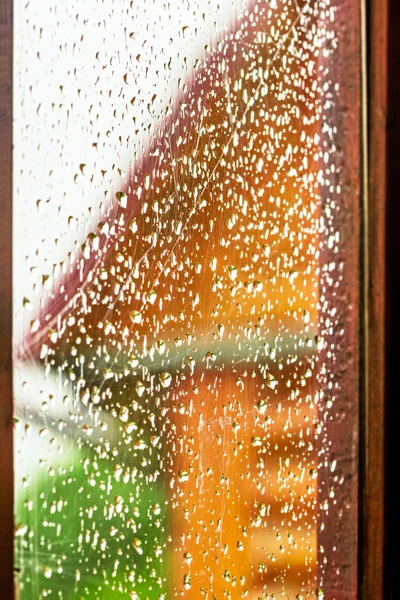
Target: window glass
177 272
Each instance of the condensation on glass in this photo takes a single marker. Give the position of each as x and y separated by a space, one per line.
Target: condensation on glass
178 300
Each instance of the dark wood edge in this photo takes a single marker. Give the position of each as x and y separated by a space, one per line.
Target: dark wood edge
6 398
372 450
392 285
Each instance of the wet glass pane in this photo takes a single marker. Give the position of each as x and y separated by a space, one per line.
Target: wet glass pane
178 297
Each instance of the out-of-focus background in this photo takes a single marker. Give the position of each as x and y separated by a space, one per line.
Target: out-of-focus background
168 256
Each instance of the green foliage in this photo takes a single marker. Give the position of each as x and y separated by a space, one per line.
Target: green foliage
76 521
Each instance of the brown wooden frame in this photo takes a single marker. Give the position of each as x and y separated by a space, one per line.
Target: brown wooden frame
372 498
6 398
385 212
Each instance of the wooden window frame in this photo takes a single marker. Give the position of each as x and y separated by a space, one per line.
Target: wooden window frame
6 375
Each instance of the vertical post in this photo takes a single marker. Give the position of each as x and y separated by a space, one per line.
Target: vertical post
6 398
390 126
372 554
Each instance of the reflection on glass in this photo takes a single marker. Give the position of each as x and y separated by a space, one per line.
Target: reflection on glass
169 323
